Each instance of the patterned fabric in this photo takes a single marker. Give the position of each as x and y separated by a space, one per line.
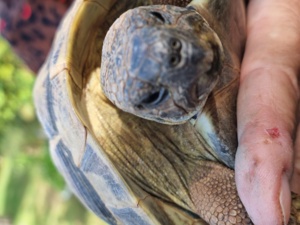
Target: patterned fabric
30 25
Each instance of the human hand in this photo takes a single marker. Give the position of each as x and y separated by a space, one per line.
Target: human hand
267 117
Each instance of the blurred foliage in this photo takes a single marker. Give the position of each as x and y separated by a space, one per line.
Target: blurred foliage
17 110
15 89
31 190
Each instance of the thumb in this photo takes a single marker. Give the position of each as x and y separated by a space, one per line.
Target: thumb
267 102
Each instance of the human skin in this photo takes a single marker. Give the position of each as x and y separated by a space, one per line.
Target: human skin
267 111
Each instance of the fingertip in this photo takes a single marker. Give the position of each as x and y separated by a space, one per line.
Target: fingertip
265 192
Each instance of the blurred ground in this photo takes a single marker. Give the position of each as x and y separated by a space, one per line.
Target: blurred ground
31 190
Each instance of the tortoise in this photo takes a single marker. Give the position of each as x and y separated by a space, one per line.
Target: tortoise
138 101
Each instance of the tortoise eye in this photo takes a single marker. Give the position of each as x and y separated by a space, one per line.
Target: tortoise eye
154 99
158 16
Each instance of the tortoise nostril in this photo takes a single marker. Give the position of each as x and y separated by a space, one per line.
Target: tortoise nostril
174 59
153 99
175 44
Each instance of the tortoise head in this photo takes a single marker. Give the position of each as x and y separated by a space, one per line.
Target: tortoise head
161 63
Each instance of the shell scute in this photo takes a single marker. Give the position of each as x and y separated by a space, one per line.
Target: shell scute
57 50
49 117
112 189
91 163
70 128
129 216
81 184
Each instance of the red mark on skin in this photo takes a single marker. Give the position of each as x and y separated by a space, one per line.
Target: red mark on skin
26 11
273 132
2 24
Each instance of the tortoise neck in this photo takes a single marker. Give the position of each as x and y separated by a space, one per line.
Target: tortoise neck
228 22
220 108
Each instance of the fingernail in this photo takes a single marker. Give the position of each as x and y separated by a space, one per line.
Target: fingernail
285 199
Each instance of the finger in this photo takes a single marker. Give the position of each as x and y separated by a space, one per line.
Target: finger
266 109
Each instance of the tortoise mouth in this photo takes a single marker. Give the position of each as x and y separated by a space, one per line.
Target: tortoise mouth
194 118
154 99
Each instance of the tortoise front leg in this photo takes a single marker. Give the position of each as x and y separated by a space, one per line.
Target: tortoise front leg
213 191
